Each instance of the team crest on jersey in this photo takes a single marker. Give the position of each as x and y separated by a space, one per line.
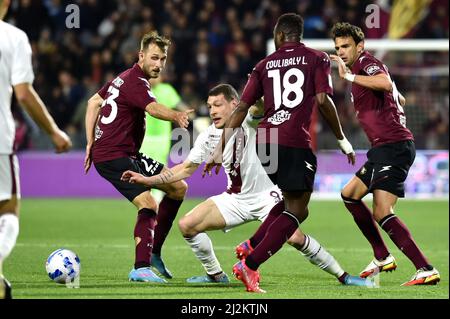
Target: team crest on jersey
363 170
118 82
372 69
279 117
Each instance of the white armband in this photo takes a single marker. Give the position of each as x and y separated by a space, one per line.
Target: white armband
350 77
345 146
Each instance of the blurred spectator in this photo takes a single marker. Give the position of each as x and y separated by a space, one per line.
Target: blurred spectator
212 41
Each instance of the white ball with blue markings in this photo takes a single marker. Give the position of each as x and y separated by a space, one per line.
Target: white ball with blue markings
63 266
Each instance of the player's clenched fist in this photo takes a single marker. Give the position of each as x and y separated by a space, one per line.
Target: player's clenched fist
132 177
61 141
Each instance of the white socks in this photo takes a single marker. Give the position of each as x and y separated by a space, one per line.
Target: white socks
318 256
202 247
9 229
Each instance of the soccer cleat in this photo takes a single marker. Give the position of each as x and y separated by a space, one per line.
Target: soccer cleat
157 263
5 288
243 250
249 277
424 276
376 266
220 278
350 280
145 274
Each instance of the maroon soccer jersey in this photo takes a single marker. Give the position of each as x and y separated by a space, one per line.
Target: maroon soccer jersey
289 79
379 112
120 129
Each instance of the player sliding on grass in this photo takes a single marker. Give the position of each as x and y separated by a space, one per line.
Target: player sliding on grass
250 195
115 126
379 109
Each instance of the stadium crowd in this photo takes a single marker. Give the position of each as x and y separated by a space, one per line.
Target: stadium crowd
212 42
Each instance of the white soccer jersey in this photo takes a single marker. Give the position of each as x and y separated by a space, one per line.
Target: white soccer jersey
15 68
244 170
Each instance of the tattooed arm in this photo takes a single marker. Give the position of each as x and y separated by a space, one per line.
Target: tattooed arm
167 176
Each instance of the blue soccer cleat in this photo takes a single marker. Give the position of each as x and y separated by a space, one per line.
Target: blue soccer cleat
350 280
220 278
145 274
157 263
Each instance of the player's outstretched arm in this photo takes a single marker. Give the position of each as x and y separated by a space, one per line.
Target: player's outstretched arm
167 176
164 113
32 103
328 111
92 112
379 82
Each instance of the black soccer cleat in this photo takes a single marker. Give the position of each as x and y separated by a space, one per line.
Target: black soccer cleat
5 288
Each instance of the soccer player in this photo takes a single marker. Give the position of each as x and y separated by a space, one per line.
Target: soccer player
115 126
250 194
291 80
16 73
379 109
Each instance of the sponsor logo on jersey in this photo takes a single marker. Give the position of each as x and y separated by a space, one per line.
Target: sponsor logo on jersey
279 117
385 168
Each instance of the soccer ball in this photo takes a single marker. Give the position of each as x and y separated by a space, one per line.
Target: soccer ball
63 266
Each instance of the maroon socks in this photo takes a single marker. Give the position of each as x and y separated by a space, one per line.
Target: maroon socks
168 209
143 236
402 238
277 234
261 231
366 223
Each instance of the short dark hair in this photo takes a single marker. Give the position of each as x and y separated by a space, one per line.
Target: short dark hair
345 29
291 24
227 90
153 37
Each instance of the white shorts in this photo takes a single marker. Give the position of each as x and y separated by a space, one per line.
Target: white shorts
9 177
238 209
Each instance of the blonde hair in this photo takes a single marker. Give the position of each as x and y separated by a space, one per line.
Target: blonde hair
153 37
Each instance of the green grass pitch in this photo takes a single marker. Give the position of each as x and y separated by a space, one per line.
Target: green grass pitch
100 232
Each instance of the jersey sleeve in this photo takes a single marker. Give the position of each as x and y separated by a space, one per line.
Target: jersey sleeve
22 69
371 66
253 90
103 90
140 95
322 75
199 152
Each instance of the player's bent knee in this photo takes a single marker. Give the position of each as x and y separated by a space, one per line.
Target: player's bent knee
186 229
